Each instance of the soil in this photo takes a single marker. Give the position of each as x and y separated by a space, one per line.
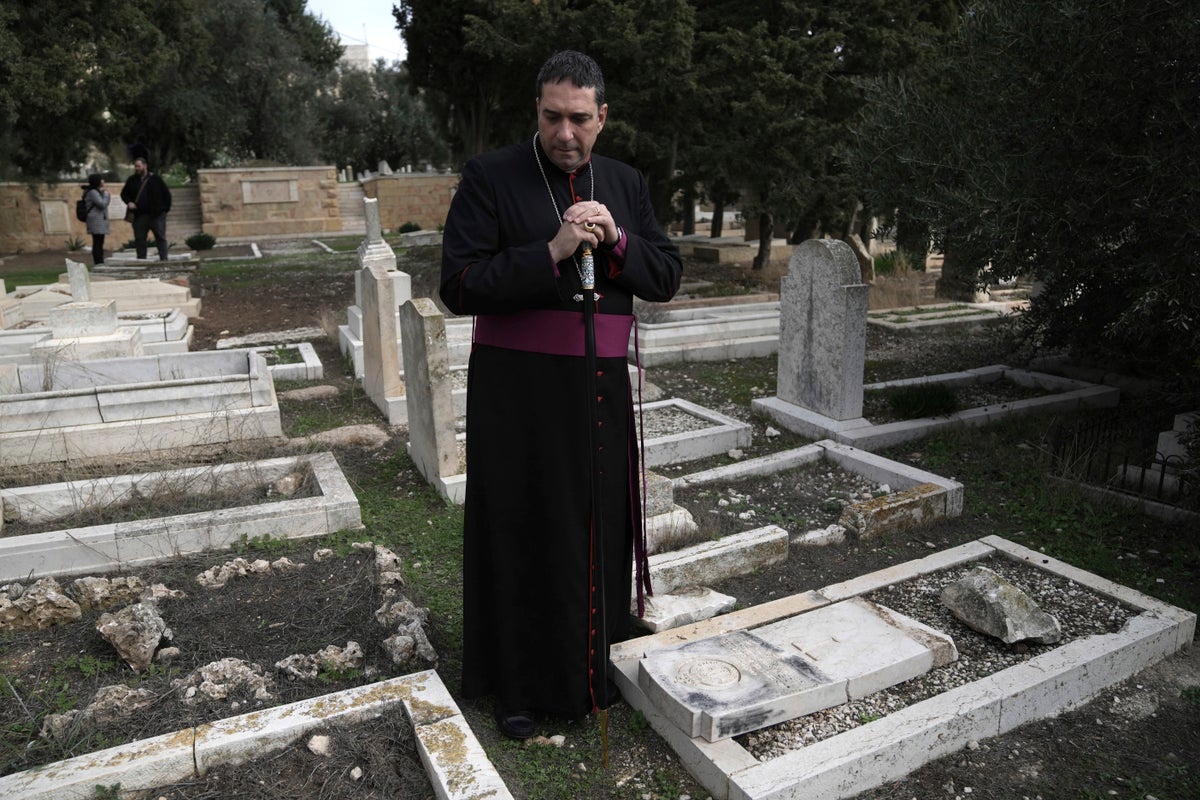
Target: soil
1138 737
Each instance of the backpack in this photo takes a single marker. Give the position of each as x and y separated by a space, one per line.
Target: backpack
81 208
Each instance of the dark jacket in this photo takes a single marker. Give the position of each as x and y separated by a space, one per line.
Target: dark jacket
153 199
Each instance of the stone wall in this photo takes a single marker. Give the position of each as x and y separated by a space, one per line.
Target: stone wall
272 201
420 197
40 217
234 204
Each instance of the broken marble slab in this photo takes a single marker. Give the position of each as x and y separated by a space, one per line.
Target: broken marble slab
681 607
737 682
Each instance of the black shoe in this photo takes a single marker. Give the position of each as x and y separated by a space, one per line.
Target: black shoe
514 724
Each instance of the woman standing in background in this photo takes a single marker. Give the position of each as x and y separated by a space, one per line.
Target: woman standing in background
97 199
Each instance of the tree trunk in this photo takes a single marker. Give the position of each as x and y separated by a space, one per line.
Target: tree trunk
718 220
662 186
688 210
912 239
766 232
958 282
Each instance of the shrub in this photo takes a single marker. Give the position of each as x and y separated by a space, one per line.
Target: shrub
200 241
922 400
894 262
408 227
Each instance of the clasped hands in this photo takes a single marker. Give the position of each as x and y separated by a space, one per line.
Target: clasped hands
588 223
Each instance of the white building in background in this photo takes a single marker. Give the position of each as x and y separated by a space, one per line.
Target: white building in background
356 56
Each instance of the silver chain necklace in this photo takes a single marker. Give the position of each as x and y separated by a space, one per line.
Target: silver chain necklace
557 214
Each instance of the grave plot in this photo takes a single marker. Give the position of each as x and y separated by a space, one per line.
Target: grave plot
677 431
714 332
292 362
455 764
1035 392
1134 631
61 411
72 550
914 318
820 391
228 626
819 493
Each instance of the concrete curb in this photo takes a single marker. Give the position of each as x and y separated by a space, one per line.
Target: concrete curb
457 765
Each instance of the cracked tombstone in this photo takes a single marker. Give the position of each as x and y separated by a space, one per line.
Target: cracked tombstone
989 604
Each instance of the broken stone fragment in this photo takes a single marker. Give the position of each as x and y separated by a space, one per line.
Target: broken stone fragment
218 679
986 602
288 485
158 592
39 606
285 565
410 640
111 703
387 568
135 632
216 577
95 593
331 658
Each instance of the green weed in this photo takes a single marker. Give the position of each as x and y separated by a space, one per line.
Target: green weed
262 543
328 674
87 666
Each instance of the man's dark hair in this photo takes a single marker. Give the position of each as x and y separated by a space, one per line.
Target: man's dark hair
579 69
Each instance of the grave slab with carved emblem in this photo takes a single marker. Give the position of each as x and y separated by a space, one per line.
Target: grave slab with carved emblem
730 684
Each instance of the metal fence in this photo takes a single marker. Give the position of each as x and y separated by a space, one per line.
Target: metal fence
1119 452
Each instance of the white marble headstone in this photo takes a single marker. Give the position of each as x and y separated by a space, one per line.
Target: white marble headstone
374 251
432 446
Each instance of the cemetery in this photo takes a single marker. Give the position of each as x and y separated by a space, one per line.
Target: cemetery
792 647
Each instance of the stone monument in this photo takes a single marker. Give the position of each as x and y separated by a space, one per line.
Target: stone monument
431 442
822 341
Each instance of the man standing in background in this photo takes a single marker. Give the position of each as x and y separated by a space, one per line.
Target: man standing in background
148 199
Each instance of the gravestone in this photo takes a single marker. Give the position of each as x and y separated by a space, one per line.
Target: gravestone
381 361
733 683
823 330
374 251
431 443
376 287
85 331
77 275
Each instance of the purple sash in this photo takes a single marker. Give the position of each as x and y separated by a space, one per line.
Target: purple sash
556 333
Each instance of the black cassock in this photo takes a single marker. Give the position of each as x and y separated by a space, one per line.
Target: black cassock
529 568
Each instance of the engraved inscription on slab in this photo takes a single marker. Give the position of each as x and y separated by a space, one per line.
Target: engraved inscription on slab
707 673
278 191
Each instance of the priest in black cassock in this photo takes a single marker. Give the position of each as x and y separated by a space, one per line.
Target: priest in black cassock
553 531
